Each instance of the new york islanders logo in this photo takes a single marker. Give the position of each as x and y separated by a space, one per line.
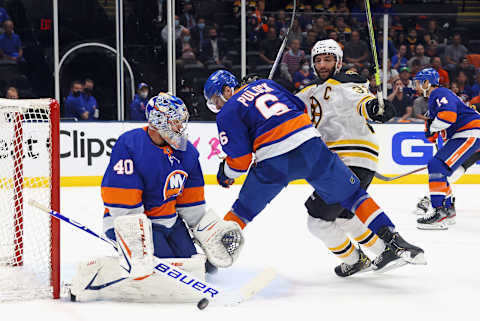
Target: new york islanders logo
174 184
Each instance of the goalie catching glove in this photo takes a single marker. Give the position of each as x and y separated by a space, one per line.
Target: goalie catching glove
373 110
221 240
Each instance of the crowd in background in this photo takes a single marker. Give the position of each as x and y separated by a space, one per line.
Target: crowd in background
203 45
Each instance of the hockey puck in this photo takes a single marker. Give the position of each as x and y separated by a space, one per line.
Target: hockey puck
203 303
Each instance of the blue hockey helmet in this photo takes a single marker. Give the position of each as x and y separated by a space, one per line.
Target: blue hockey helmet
429 74
168 115
214 85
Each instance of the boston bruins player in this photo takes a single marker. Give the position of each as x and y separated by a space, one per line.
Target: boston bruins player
340 104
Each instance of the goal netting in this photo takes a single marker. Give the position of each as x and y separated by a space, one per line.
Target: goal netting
29 169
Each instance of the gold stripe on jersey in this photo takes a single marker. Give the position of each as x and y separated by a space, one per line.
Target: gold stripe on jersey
333 82
358 154
306 88
361 106
350 142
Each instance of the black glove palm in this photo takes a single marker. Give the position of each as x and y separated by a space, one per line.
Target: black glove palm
373 110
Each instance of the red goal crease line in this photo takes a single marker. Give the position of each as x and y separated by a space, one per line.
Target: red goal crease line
72 181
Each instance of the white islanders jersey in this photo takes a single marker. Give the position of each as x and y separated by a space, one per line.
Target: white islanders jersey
337 109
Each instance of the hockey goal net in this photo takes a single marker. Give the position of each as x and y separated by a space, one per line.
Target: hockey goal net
29 169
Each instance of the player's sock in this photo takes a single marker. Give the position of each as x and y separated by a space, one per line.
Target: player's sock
362 235
367 211
334 238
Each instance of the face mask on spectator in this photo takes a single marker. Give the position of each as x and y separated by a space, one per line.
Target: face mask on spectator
177 23
143 94
186 38
76 93
88 90
201 25
305 68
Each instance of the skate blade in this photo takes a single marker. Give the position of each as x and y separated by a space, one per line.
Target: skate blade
419 212
451 221
441 226
391 266
419 259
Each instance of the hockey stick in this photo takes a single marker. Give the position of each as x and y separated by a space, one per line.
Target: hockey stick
169 271
381 105
284 43
388 179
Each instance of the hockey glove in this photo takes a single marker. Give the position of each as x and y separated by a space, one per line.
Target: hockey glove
431 137
373 110
221 240
222 178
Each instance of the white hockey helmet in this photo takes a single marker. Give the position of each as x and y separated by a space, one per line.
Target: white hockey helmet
329 47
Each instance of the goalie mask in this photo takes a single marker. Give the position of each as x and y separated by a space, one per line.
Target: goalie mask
168 115
327 47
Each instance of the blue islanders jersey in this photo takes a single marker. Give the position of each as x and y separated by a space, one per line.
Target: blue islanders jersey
261 118
452 116
146 178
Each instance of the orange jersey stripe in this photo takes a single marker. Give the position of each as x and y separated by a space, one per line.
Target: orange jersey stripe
233 217
449 116
473 124
460 151
281 130
191 195
366 209
125 196
163 210
438 187
241 163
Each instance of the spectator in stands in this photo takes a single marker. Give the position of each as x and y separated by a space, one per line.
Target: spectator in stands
464 89
434 31
198 35
213 49
420 107
334 35
420 56
358 13
75 104
303 76
412 39
432 50
416 67
137 107
437 65
400 59
178 30
343 30
402 102
187 18
306 19
292 58
342 9
356 51
269 47
281 21
296 31
408 85
467 68
12 93
475 103
10 43
392 75
320 27
455 52
476 85
3 16
456 89
89 100
325 7
309 41
184 51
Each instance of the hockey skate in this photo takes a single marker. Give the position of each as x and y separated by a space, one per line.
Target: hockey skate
451 213
387 261
362 265
423 206
435 219
410 253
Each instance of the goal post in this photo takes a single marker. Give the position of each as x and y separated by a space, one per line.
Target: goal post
29 168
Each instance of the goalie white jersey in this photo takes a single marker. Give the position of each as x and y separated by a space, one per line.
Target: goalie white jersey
338 110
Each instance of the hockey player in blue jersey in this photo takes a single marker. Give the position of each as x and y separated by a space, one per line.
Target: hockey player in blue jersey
153 192
264 119
459 126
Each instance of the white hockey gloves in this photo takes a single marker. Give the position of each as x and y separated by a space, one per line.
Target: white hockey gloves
221 240
135 244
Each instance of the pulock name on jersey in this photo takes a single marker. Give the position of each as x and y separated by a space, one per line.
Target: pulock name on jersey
191 281
252 92
86 147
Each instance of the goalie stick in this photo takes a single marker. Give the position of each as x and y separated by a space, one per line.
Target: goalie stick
210 291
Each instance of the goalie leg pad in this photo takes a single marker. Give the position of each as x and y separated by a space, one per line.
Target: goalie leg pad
104 279
135 244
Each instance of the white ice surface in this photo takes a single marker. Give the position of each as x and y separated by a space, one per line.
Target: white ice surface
448 288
